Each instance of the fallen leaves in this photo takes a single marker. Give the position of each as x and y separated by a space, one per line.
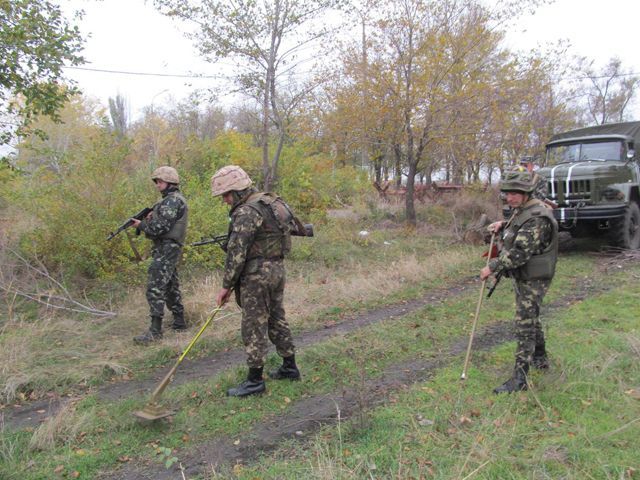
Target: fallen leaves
634 393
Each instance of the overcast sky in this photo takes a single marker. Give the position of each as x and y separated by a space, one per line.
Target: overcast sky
130 36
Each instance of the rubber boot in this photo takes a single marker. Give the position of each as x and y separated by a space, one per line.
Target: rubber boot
178 324
253 385
540 359
517 382
287 371
152 335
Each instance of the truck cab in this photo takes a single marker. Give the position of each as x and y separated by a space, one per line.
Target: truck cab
593 177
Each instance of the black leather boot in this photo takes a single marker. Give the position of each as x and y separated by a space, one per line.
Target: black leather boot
287 371
540 359
253 385
517 382
178 323
152 335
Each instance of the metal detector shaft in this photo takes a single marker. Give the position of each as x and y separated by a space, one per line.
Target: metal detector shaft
475 318
167 378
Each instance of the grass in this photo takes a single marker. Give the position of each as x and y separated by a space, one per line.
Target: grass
342 276
205 412
580 420
435 429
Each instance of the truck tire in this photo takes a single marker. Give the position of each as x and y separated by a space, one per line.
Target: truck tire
625 232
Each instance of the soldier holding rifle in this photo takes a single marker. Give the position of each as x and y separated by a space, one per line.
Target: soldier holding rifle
260 231
166 226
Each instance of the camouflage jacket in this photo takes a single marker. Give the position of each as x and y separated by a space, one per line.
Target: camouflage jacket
540 190
530 239
166 214
245 223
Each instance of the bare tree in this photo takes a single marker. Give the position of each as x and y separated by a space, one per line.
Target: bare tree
609 91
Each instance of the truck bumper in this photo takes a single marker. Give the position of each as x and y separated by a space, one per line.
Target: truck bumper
567 217
600 212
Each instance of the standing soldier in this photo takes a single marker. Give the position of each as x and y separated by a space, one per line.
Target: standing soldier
528 256
166 226
259 238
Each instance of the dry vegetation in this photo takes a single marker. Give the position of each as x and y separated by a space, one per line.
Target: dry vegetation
78 349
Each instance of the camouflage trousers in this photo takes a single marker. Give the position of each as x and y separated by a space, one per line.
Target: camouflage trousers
163 285
529 334
261 297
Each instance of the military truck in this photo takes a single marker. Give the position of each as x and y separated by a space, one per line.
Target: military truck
593 175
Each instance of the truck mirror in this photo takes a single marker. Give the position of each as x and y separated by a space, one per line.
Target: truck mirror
630 154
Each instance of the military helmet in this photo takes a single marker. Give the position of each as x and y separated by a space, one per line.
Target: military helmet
526 160
517 180
229 178
166 174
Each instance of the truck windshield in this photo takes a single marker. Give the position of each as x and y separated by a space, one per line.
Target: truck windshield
580 152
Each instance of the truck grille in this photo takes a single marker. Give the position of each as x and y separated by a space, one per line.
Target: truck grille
578 190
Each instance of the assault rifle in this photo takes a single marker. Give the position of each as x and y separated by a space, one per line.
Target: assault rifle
221 240
138 216
495 284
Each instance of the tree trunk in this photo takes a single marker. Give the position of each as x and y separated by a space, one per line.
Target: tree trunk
266 174
409 204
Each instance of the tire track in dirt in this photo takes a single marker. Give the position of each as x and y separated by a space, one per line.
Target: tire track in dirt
311 413
32 414
308 415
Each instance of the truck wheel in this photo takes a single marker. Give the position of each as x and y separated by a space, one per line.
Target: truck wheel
625 232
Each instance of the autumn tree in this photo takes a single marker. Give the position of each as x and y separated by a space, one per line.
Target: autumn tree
267 37
74 129
438 52
36 42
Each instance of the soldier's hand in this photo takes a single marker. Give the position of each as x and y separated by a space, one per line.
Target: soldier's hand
485 273
222 296
495 227
135 222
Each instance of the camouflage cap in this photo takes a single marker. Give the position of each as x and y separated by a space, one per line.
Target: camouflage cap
166 174
517 180
229 178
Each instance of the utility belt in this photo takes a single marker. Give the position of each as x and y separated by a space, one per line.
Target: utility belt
254 264
159 242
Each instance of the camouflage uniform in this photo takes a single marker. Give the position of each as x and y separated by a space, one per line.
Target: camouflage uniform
167 229
523 242
255 267
540 189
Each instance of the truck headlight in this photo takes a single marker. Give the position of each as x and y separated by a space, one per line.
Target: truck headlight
612 194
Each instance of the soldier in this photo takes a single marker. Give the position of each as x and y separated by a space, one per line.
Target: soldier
259 238
540 190
166 226
528 256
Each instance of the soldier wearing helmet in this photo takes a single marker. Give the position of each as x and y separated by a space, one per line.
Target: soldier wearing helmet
540 183
254 267
166 226
528 256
